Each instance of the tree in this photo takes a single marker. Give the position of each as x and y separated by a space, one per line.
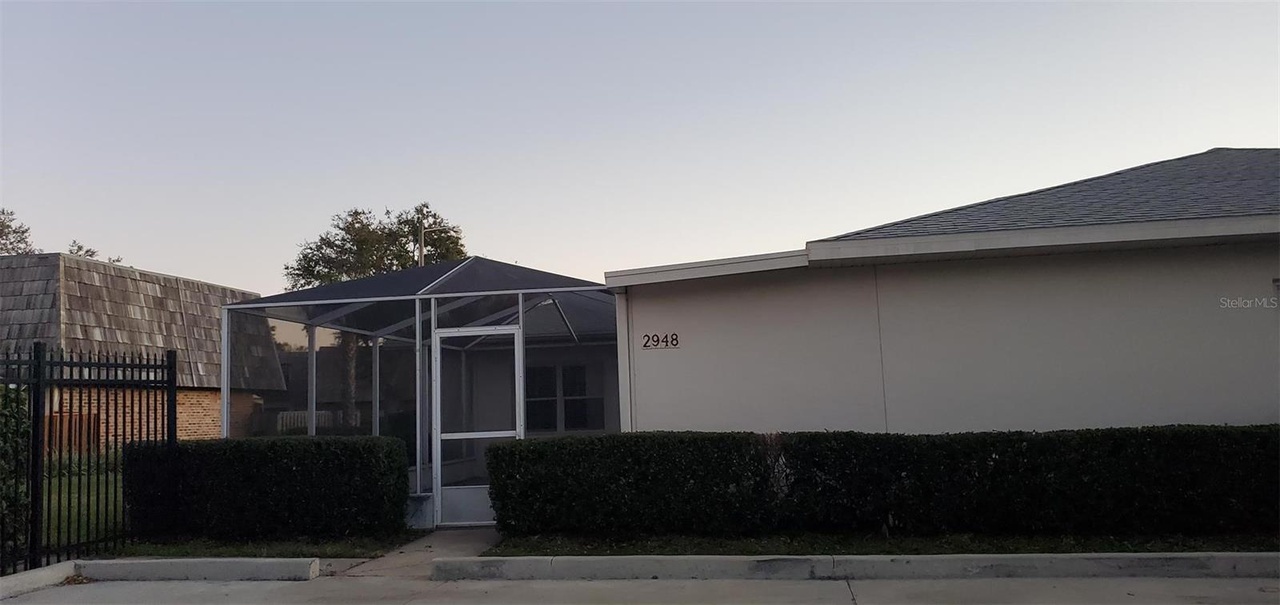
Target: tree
362 243
15 237
78 249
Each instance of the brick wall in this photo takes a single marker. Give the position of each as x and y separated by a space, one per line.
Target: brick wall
199 414
130 414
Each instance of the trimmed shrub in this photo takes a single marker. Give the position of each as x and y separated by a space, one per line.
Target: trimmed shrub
15 453
264 488
1125 481
632 483
1152 480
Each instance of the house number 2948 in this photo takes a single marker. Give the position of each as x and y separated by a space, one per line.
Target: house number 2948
661 341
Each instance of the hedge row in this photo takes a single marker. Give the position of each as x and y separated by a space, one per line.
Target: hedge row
1178 479
655 483
262 488
15 452
1129 481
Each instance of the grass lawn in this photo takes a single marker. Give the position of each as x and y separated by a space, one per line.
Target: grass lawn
82 508
343 548
827 544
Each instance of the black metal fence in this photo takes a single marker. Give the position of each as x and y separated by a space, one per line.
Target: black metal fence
64 418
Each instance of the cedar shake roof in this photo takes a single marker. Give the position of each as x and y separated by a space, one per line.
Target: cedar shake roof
88 306
1219 183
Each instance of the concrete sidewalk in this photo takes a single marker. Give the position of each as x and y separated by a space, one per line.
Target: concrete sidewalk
401 591
413 560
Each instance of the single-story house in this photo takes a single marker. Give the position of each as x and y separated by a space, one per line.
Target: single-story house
1146 296
90 307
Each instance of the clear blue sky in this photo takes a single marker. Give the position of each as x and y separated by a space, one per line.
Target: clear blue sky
208 140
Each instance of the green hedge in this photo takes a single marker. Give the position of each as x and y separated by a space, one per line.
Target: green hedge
1128 481
1155 480
634 483
15 453
263 488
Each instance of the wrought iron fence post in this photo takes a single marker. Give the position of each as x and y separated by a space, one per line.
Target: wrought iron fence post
35 485
171 395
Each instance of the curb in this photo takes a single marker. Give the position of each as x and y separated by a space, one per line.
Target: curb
862 567
1066 565
214 569
677 567
35 579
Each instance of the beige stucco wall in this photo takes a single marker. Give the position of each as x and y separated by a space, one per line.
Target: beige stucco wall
785 350
1045 342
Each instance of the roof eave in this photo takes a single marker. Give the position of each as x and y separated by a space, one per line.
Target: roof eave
711 268
1022 241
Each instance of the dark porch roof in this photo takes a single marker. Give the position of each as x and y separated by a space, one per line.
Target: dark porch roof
383 305
468 276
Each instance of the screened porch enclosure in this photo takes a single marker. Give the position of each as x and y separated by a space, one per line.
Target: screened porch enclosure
450 358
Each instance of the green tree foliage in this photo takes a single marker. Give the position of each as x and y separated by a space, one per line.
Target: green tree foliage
78 249
362 243
15 237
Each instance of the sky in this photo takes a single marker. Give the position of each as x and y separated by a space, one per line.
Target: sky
210 140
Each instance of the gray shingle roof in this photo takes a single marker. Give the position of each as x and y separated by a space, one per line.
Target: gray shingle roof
88 306
1219 183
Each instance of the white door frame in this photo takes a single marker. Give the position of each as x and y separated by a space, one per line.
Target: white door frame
437 433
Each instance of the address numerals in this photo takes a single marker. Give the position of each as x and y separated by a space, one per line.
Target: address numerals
670 340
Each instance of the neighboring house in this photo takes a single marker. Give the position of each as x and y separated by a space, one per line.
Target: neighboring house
1141 297
91 307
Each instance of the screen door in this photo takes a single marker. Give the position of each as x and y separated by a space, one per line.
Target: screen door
478 392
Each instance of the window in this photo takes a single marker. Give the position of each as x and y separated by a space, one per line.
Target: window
541 399
557 398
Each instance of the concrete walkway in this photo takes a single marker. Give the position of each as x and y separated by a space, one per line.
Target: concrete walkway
413 560
401 591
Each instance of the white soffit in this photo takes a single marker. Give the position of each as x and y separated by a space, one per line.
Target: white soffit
826 253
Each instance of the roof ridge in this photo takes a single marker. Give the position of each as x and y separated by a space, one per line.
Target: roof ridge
531 269
65 256
447 275
1032 192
